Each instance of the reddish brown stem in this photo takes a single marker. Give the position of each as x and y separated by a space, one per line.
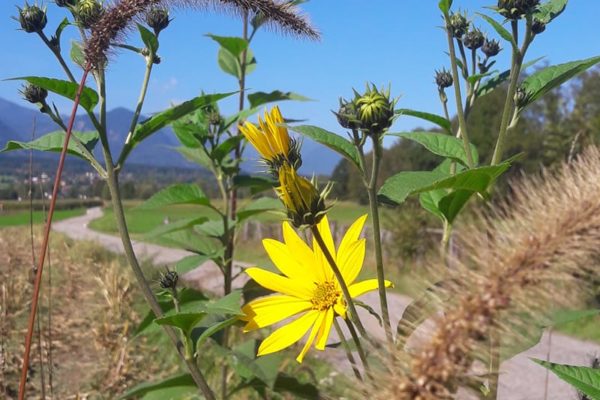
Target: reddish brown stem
44 249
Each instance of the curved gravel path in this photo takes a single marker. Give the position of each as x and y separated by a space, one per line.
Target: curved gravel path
521 379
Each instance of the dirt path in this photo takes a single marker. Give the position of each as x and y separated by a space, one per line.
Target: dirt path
521 379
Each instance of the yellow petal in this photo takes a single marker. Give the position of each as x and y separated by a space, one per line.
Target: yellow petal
363 287
288 262
281 284
351 261
266 311
324 330
340 307
311 338
288 334
351 236
303 254
323 227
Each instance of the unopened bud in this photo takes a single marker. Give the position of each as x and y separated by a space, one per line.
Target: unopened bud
516 9
491 47
375 110
66 3
32 18
538 26
168 280
88 12
521 98
443 79
458 25
158 19
34 94
473 39
347 115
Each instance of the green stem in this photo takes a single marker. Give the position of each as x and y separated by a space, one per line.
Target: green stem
58 56
113 186
347 349
359 348
459 110
374 207
138 110
338 274
515 71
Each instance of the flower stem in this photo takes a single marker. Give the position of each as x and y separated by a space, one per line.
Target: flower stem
340 278
461 117
347 350
374 207
361 352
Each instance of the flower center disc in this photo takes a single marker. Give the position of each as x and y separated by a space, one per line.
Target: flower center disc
325 296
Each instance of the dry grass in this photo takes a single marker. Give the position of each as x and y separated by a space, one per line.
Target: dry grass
93 314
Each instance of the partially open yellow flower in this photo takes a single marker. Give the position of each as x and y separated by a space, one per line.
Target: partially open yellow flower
305 205
307 287
272 140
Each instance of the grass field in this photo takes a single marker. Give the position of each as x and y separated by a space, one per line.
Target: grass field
20 218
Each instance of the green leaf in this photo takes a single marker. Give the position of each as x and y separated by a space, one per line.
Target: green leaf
452 204
229 305
584 379
149 39
196 155
543 81
436 119
229 63
189 240
180 193
54 142
248 366
77 54
331 140
184 321
190 263
396 189
181 224
173 388
234 45
214 228
502 31
549 10
225 148
162 119
256 184
211 330
445 5
442 145
489 85
88 100
259 98
258 206
430 200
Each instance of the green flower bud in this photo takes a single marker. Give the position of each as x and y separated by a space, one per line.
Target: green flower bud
458 25
88 12
491 47
66 3
34 94
516 9
538 26
157 18
375 110
521 98
473 39
347 115
443 79
32 18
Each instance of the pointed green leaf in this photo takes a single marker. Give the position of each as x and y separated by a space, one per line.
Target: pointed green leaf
256 184
229 305
88 100
211 330
502 31
445 5
77 54
180 193
181 224
184 321
331 140
61 27
549 10
149 38
584 379
452 204
234 45
196 155
436 119
442 145
172 388
190 263
229 63
54 142
396 189
259 98
543 81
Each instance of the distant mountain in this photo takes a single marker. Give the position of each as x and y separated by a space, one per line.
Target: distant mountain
16 123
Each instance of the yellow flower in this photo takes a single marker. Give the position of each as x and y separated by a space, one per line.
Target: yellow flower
271 140
307 287
300 197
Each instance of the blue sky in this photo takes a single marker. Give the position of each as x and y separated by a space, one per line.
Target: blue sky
381 41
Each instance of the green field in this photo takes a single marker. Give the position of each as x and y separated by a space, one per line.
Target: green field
23 217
